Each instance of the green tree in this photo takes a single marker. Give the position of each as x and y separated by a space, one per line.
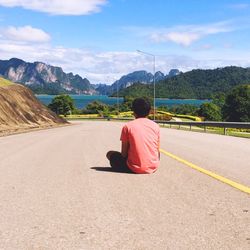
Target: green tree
62 105
95 107
184 109
127 104
210 111
237 105
219 99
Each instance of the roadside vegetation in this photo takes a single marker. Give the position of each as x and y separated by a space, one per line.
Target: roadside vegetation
4 82
232 107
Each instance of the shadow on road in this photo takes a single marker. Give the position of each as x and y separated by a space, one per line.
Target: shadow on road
109 169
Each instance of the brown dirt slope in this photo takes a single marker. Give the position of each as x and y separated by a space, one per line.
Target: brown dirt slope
20 110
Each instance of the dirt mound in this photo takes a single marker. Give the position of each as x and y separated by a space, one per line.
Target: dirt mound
20 110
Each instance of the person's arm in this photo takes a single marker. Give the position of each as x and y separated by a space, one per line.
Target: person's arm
125 147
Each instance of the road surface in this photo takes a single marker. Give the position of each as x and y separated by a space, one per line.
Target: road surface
56 192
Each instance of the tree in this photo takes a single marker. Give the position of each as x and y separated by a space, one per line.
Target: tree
219 99
62 105
95 107
184 109
210 111
237 105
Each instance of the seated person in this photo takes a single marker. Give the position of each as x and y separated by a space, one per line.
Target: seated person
140 143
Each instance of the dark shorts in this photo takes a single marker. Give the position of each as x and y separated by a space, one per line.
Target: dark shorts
117 162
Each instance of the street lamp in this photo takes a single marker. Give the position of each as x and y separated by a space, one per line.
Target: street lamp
117 99
149 54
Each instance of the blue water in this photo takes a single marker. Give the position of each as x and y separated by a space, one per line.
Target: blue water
82 101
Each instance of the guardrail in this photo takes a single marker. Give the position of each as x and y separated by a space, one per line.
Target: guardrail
205 124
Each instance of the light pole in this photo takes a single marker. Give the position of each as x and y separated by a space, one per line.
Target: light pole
149 54
117 89
117 99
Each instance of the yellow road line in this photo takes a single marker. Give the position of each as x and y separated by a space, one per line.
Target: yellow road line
209 173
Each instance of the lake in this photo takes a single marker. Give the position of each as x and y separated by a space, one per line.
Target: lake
82 101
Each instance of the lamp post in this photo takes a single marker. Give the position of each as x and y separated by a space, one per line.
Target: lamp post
117 99
149 54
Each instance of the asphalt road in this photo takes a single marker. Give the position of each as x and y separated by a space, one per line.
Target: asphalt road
56 192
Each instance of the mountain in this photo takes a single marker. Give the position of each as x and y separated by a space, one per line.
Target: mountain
102 88
46 79
198 84
43 78
173 72
128 80
20 110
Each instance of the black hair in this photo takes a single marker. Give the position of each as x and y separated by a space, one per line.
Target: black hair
141 107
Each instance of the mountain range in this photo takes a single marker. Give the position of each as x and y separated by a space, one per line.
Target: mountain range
128 80
199 83
43 78
194 84
46 79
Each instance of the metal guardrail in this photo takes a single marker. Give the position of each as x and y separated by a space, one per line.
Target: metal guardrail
205 124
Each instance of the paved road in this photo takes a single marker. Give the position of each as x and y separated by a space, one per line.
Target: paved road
56 194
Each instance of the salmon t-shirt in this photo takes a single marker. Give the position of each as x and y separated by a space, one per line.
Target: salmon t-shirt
143 136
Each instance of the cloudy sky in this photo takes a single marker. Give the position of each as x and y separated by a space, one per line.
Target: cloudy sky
99 39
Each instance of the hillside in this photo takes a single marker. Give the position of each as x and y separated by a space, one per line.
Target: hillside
197 84
20 110
4 82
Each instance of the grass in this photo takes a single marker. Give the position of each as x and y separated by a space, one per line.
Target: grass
211 130
4 82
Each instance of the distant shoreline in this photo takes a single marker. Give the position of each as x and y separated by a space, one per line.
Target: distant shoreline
81 101
113 97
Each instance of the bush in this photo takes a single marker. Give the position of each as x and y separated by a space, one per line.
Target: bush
62 105
95 107
237 105
210 111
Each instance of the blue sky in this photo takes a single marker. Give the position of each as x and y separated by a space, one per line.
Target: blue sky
98 39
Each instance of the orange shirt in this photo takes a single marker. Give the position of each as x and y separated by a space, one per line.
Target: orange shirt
143 136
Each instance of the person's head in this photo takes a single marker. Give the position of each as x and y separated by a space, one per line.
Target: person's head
141 107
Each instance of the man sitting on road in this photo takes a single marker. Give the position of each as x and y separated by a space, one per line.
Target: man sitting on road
140 143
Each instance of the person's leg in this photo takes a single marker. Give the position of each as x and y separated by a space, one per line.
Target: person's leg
117 161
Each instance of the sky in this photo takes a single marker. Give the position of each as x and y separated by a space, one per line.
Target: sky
100 39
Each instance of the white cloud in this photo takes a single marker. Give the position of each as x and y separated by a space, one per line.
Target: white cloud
187 34
228 46
182 38
183 35
25 34
207 46
239 6
110 66
58 7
